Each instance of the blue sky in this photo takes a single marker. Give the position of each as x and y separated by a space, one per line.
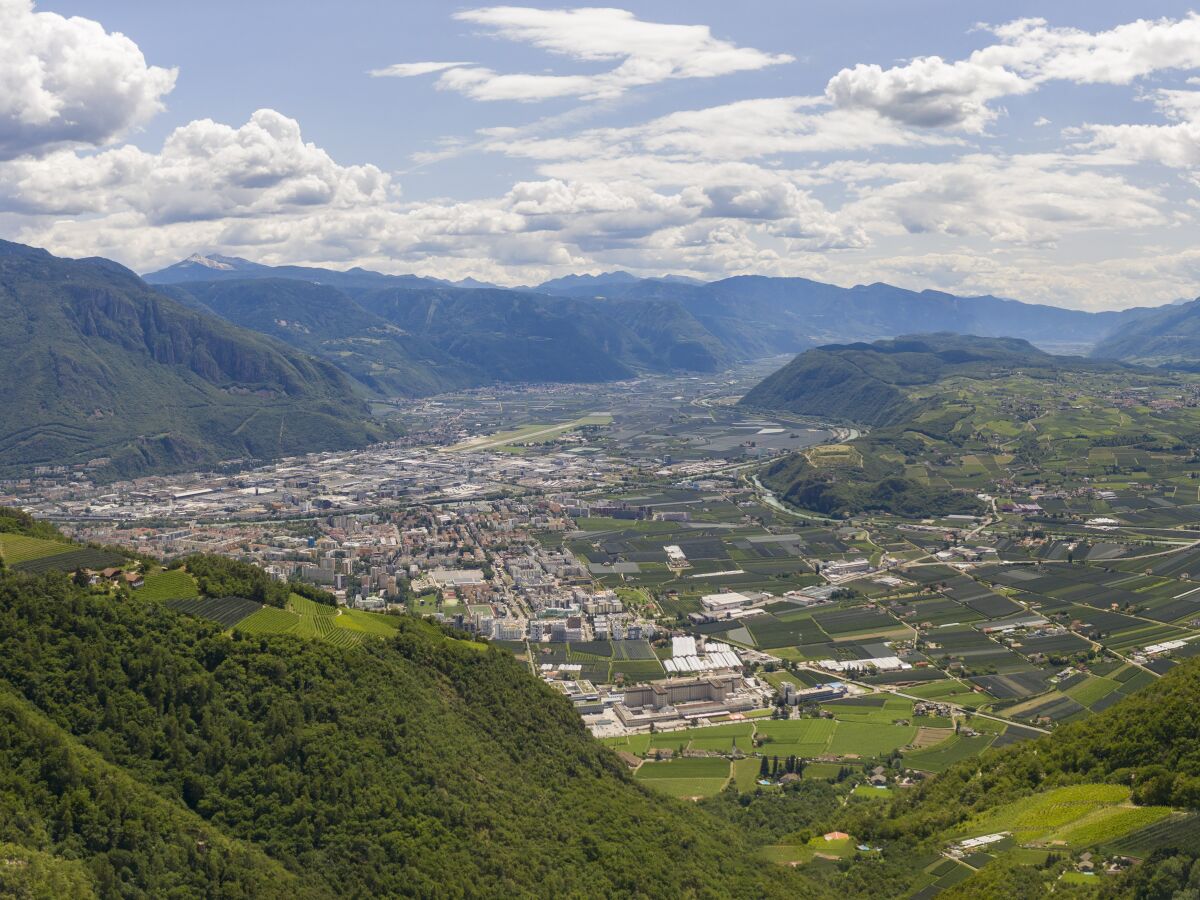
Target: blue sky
1049 154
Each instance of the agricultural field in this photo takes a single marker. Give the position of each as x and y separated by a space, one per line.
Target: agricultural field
1179 830
602 662
941 756
303 618
75 558
17 548
225 611
857 733
815 848
174 584
685 778
1081 815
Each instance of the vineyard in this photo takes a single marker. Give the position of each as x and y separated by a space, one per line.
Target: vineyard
314 621
1180 831
84 558
1041 815
17 548
269 620
173 585
225 611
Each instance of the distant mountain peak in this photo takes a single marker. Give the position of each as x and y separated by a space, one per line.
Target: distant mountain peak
222 263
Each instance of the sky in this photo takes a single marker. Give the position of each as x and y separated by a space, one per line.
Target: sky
1047 152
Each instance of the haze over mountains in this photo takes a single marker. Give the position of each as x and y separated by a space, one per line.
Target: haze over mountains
220 358
615 324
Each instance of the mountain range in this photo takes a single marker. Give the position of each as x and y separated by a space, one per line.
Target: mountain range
1168 336
636 324
217 358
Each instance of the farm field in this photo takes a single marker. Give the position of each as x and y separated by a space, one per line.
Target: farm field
17 548
1179 830
685 778
225 611
941 756
75 558
174 584
808 738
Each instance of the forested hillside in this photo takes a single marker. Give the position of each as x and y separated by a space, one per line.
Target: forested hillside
169 757
102 369
871 383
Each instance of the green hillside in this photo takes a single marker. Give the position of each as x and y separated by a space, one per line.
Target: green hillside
273 765
322 320
411 341
919 394
871 383
100 367
146 752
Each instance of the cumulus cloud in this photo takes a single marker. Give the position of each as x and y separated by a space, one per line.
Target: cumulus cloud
67 82
1170 145
880 177
1176 145
648 52
928 92
205 170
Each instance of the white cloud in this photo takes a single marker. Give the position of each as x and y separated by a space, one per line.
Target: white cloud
667 149
1170 145
410 70
1026 200
205 170
649 52
1033 49
927 92
1114 282
881 177
67 82
1176 145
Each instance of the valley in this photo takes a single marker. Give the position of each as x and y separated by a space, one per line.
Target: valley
1044 577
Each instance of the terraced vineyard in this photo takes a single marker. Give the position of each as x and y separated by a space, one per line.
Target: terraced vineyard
1047 816
310 620
269 620
47 557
